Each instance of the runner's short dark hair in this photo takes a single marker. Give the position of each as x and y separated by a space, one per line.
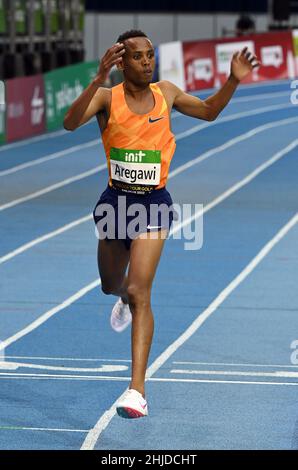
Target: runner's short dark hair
133 33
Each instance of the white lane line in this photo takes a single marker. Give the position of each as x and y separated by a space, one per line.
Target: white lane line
62 132
43 318
233 364
49 157
99 168
261 96
91 378
32 140
37 138
27 428
206 208
210 381
6 365
43 238
178 137
231 117
264 84
105 419
231 142
173 173
236 186
83 359
282 374
249 99
52 187
19 375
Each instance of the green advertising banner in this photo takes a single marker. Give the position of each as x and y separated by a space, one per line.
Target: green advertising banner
2 112
62 87
295 39
3 24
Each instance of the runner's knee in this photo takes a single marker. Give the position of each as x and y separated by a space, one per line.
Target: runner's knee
138 295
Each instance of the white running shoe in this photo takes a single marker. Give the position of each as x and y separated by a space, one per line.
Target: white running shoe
133 405
120 316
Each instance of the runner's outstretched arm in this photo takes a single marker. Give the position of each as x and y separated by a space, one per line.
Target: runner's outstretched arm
241 65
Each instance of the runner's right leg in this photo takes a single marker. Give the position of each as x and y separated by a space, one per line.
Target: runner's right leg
113 258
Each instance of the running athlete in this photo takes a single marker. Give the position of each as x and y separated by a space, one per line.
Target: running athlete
134 119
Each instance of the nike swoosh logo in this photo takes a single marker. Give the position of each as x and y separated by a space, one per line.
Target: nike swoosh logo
143 406
154 120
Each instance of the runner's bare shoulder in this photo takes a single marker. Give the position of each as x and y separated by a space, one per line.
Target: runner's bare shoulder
169 91
102 100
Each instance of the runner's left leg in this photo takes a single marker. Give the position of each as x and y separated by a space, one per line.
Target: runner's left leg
113 259
145 253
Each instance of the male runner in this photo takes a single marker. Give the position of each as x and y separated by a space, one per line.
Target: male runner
134 119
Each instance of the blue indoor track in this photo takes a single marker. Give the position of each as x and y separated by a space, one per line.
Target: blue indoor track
223 370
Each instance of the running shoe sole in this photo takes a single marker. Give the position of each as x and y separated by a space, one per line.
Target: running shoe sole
129 413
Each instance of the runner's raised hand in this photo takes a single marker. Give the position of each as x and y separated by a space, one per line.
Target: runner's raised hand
242 63
113 56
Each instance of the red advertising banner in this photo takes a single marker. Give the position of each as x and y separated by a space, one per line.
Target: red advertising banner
199 64
25 107
207 63
276 53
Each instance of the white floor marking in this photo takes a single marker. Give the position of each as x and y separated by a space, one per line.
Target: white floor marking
24 375
31 140
284 366
94 378
84 359
234 382
49 157
231 142
94 142
104 368
43 318
102 167
94 433
173 173
286 374
43 238
52 187
231 117
249 99
37 138
237 186
27 428
193 130
80 293
209 381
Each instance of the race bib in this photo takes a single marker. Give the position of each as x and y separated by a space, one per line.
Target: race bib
135 167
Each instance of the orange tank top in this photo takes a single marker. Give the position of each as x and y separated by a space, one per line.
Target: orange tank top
138 147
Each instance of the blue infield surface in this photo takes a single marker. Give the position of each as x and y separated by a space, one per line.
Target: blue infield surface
223 368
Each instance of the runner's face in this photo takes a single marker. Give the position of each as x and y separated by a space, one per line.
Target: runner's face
138 61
